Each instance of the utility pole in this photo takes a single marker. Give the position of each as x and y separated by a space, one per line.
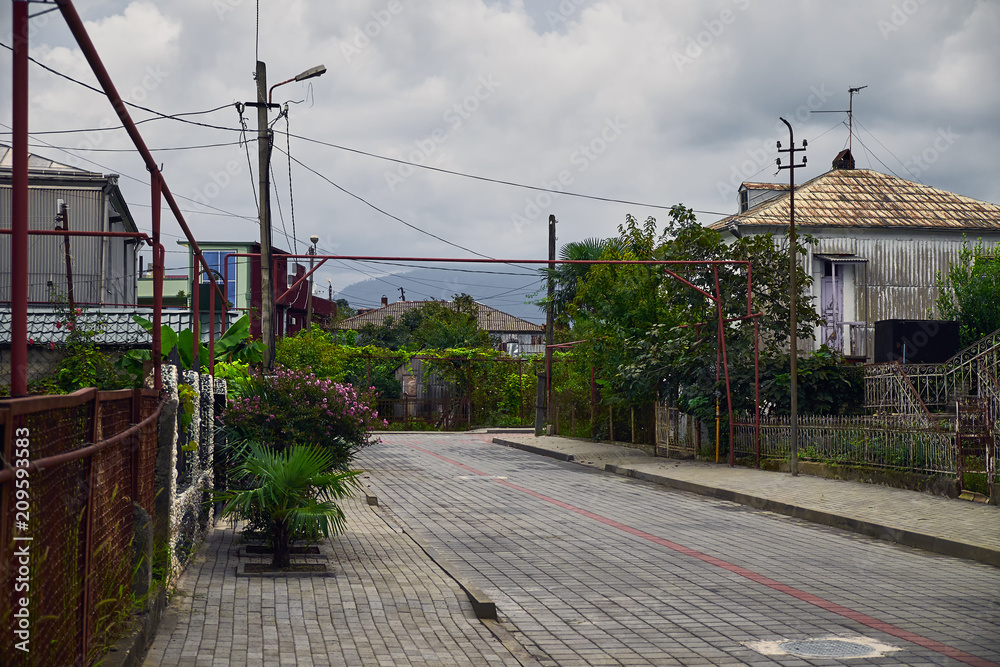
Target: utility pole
264 137
549 316
263 160
543 397
793 289
63 217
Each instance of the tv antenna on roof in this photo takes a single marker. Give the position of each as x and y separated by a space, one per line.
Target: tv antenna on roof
850 116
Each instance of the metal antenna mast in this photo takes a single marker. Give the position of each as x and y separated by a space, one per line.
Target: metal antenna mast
850 115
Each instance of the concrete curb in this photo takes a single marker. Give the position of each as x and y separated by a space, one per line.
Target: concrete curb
484 607
560 456
285 574
869 529
130 650
907 538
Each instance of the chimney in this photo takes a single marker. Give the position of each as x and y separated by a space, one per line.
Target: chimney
385 300
844 160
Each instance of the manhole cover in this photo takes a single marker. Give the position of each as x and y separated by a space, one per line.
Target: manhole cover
826 648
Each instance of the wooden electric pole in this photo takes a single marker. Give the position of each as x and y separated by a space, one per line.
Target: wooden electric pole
263 161
793 290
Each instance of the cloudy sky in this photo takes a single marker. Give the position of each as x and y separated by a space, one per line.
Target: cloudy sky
652 102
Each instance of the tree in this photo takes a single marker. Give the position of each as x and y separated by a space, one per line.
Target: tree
393 333
451 324
344 310
566 277
648 332
970 293
291 492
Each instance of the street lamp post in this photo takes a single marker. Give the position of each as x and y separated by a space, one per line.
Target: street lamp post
264 136
309 301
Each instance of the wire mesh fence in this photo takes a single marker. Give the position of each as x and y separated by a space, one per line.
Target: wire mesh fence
66 523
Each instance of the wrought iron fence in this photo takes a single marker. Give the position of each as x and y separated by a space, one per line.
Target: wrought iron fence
66 523
885 441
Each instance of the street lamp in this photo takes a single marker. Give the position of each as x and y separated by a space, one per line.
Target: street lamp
309 302
263 160
310 73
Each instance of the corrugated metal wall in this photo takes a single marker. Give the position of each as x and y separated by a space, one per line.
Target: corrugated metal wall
899 277
88 209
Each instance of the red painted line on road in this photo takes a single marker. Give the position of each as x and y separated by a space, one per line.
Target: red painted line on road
822 603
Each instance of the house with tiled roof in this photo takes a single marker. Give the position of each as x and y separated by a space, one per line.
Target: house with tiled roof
880 242
516 336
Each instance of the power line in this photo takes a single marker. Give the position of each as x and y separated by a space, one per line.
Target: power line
887 150
132 150
447 268
384 212
177 117
872 154
146 183
494 180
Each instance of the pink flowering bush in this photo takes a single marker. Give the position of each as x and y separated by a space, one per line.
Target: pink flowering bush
291 408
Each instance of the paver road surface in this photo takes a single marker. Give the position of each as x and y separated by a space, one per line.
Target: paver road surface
588 568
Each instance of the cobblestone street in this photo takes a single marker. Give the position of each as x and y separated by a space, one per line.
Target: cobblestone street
585 568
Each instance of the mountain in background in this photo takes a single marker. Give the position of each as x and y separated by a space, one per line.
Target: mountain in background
510 289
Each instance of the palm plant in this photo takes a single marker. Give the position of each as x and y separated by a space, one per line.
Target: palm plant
567 276
289 491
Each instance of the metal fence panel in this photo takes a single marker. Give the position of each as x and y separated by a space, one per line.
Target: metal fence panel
886 441
81 521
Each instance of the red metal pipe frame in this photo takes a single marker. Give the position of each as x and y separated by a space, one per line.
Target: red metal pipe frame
298 282
19 204
158 260
76 26
60 232
725 366
717 297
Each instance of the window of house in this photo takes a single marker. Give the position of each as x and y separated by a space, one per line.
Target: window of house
215 258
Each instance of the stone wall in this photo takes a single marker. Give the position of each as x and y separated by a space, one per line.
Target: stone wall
183 504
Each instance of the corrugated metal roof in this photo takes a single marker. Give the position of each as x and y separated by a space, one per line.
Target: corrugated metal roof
490 319
36 162
866 198
115 325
